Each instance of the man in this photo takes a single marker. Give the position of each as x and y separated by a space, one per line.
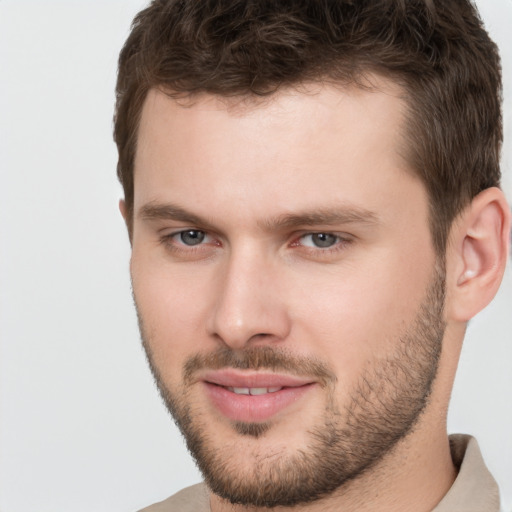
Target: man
312 198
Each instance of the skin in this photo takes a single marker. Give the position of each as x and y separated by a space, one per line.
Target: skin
237 168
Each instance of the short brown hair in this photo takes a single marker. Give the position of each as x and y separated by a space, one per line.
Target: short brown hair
437 50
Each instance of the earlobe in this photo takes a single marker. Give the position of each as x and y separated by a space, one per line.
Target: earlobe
481 249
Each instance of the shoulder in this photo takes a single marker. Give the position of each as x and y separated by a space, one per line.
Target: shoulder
190 499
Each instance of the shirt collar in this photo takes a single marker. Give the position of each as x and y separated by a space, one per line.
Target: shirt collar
474 489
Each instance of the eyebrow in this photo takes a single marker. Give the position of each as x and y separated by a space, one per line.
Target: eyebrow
344 214
167 211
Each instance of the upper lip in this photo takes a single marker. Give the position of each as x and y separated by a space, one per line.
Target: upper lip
251 379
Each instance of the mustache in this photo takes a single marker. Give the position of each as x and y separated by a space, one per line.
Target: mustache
257 358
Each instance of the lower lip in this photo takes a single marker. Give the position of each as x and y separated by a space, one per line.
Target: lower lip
257 408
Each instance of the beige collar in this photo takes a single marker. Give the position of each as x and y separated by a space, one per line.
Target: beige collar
474 489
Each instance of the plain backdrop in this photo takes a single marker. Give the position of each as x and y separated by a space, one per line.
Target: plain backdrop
81 425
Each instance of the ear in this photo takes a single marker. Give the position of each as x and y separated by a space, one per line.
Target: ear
126 216
122 208
477 254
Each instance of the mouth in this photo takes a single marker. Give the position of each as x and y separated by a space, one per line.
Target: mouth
253 397
254 391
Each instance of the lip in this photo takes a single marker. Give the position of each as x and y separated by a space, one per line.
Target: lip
253 408
252 379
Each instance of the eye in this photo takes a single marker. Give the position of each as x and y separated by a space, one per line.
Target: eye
190 244
190 237
320 240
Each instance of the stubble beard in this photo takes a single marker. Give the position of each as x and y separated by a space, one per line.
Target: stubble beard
382 409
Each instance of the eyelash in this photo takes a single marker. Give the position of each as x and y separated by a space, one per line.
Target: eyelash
339 240
170 244
340 243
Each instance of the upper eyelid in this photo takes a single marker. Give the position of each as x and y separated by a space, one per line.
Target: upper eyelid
311 233
171 232
179 232
338 234
295 235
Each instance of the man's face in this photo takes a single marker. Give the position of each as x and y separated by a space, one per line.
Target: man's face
287 289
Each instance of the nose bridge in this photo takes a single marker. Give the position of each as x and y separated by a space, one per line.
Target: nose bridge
249 303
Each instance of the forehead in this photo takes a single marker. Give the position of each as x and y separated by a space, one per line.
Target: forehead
375 101
281 153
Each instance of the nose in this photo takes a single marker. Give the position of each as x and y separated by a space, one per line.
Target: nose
250 306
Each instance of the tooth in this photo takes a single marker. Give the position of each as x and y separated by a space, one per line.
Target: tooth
253 391
241 391
258 391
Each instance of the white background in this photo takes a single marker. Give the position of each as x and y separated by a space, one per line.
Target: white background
81 425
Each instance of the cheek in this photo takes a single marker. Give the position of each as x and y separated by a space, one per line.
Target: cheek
171 305
359 315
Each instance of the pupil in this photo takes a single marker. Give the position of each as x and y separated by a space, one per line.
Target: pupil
192 237
324 239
